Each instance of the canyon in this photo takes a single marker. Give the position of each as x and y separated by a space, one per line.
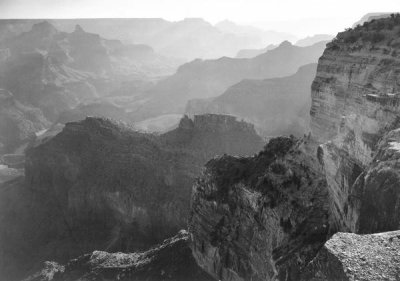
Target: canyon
102 201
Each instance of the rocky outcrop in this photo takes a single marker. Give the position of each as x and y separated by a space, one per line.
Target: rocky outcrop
171 260
101 185
260 218
277 106
348 256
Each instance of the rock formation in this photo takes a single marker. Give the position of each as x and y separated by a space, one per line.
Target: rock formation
350 168
100 185
263 217
355 98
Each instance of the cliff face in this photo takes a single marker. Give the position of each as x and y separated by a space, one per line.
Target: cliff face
355 102
250 222
263 217
99 185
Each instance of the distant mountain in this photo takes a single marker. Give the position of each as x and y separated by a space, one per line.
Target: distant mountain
188 39
47 72
210 78
310 40
265 36
18 122
251 53
277 106
371 16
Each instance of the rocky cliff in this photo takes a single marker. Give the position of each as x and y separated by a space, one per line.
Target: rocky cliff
355 99
247 223
101 185
260 218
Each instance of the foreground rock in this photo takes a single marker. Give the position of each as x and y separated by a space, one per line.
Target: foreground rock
171 260
260 218
348 256
99 185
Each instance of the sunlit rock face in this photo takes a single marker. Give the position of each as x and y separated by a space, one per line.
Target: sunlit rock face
263 217
355 102
348 256
99 185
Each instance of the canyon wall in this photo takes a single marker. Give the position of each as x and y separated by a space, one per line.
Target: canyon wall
352 153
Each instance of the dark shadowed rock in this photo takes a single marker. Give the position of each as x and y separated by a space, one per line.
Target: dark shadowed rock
263 217
99 185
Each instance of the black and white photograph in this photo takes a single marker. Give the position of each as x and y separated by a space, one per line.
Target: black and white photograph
199 140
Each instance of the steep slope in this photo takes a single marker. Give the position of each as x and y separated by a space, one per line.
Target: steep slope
347 172
278 106
355 104
210 78
263 217
99 185
171 260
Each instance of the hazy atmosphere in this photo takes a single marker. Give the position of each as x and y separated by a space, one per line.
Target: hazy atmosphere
231 140
301 18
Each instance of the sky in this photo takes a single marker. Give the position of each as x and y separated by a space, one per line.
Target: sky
304 17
